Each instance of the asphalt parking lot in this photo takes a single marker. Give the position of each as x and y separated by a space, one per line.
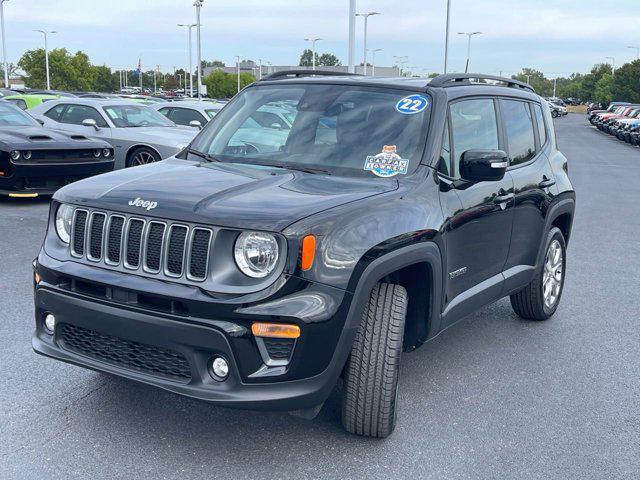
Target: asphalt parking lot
492 397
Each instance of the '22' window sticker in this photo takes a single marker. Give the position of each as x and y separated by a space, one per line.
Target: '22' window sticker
412 104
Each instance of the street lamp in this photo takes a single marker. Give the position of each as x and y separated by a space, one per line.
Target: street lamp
198 5
352 36
399 61
373 60
189 26
446 37
313 49
469 35
613 64
637 49
366 17
238 70
46 54
4 46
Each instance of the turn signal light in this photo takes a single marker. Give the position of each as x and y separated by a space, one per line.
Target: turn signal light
275 330
308 252
37 278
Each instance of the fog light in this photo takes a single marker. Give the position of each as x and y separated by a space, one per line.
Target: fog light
49 323
220 368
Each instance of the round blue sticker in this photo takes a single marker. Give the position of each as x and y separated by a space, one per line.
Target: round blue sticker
412 104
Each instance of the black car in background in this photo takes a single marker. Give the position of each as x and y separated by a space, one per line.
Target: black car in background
37 161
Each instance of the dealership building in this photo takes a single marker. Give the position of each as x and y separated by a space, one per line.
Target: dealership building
249 66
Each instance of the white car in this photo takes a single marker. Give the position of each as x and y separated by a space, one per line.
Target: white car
189 113
138 133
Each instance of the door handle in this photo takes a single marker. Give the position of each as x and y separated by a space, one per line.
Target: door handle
503 198
546 183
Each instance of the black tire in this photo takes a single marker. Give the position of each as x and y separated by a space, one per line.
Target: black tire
529 303
142 156
371 379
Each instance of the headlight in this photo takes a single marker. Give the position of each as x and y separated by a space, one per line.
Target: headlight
27 154
15 154
97 152
256 253
63 222
106 153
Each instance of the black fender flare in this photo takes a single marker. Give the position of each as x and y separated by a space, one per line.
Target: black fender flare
564 205
422 252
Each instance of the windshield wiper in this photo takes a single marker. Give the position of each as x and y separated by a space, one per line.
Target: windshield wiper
206 156
297 167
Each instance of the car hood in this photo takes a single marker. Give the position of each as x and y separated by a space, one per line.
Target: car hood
170 136
17 138
227 195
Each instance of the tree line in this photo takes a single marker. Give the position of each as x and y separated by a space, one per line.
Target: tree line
75 72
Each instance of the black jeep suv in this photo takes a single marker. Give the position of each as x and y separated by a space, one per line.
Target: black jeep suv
314 230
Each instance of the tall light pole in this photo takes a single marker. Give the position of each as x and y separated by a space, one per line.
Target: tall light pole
613 64
399 60
469 35
366 17
313 49
46 54
528 77
446 37
637 49
352 36
238 70
260 69
198 5
373 60
4 46
189 26
155 84
555 83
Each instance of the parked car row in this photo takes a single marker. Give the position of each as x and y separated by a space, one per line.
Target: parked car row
621 120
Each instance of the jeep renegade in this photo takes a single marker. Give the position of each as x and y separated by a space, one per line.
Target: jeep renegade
270 259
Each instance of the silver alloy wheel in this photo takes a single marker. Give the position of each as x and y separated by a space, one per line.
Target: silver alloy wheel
553 274
142 158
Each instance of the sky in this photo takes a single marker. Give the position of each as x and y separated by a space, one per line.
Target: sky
557 37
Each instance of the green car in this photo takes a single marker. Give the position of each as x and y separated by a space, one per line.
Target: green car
27 101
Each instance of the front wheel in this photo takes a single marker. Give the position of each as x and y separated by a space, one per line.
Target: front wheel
142 156
539 300
371 380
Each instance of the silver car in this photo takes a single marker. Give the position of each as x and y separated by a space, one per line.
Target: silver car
189 113
138 133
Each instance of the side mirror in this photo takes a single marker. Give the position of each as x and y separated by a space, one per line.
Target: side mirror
195 124
483 165
90 122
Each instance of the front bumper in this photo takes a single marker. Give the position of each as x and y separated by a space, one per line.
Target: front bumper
46 178
316 363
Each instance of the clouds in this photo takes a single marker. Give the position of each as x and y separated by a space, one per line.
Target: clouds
549 35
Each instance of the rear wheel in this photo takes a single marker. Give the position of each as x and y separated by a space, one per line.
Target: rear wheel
142 156
539 300
371 380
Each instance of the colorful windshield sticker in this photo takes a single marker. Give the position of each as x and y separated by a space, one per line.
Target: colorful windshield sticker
412 104
387 163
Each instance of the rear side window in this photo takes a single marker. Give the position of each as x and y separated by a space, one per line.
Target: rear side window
55 112
474 126
518 123
183 116
76 114
542 127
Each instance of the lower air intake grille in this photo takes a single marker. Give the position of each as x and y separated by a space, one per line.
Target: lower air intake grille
279 348
124 353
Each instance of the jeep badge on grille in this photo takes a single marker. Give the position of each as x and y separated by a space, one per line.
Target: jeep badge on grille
138 202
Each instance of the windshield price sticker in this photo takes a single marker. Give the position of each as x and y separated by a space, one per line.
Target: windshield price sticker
386 163
412 104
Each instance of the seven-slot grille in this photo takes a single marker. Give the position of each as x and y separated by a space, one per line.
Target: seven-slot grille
153 246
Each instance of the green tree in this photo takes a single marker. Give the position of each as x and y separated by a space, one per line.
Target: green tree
325 59
542 85
225 85
626 82
603 91
590 80
68 72
104 80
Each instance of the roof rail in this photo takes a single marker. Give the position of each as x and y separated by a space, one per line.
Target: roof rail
458 79
306 73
